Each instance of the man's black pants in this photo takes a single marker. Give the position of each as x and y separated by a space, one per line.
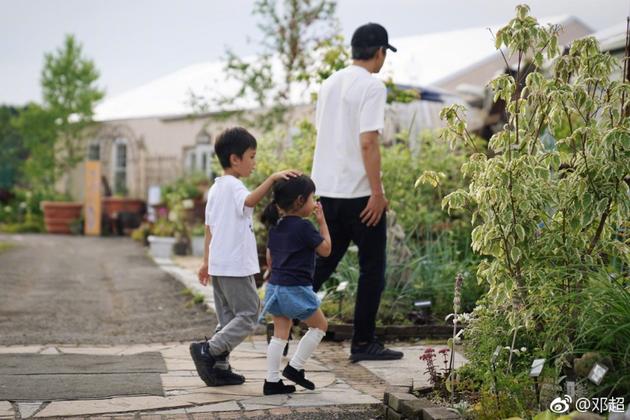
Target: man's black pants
344 224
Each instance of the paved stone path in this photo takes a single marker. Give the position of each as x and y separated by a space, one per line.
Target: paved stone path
344 390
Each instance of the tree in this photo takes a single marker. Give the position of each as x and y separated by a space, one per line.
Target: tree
293 32
12 149
54 132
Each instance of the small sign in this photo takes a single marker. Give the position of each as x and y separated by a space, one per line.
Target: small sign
597 373
537 367
422 304
570 389
342 286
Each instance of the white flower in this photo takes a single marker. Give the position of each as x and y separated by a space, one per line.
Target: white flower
523 349
188 204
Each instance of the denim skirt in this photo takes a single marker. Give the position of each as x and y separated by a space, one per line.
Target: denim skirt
293 302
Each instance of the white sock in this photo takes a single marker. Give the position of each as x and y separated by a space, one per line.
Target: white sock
274 358
306 347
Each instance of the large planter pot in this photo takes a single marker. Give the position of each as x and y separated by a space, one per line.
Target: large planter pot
114 205
198 244
161 246
59 215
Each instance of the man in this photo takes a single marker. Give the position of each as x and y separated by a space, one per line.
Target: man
347 171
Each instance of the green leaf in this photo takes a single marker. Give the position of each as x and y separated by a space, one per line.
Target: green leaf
515 253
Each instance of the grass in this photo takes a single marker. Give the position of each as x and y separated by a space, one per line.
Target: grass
5 246
195 298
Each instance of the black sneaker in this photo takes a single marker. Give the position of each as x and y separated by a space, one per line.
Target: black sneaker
373 351
204 362
226 377
272 388
297 376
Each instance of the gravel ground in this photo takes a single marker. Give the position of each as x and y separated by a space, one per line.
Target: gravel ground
81 290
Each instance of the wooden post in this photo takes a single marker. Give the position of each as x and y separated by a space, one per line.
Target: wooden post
92 198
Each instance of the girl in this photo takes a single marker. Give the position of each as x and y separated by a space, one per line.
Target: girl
293 243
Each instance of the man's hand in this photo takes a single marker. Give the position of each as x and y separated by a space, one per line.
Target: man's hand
373 211
203 275
289 173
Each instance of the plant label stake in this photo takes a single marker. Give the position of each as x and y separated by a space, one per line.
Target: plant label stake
570 389
597 373
493 363
536 370
341 288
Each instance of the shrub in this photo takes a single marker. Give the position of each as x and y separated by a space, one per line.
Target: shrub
547 216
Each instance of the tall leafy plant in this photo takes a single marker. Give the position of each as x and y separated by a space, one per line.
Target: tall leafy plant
547 216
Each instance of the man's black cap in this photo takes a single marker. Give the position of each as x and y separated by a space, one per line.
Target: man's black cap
371 35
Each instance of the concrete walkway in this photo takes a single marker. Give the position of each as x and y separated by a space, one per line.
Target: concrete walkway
344 390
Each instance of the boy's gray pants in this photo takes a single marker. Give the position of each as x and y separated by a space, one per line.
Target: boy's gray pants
237 305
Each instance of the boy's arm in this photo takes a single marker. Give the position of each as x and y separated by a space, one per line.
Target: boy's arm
202 274
255 196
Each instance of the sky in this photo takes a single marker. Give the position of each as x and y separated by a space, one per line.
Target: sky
135 41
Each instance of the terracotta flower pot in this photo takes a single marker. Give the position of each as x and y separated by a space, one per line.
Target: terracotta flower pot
58 215
114 205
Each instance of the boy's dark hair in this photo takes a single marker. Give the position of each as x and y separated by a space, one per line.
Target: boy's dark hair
233 141
285 193
364 53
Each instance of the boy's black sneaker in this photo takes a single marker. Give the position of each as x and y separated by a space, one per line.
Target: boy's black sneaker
373 351
204 362
226 377
272 388
297 376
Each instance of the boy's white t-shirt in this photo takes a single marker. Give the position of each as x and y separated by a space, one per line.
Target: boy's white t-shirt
350 102
233 250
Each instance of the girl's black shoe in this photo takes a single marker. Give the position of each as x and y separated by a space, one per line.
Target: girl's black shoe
272 388
297 376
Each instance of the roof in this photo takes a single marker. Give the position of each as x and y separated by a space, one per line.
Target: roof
421 60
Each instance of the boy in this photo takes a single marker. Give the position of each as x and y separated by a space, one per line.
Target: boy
230 255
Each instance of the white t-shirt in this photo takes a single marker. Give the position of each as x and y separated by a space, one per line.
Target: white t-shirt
350 102
233 250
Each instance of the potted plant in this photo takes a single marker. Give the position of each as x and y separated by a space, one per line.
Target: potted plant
61 216
162 239
197 234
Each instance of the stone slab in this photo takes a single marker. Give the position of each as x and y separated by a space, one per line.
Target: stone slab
114 405
6 409
439 413
394 399
28 409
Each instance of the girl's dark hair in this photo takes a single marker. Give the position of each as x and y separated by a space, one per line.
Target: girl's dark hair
285 192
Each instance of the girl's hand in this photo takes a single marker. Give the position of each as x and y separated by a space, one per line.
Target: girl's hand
319 213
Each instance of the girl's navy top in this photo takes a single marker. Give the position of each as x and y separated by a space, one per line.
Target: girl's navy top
292 243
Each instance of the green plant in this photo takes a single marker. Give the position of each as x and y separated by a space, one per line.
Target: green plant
163 227
604 328
5 246
546 219
141 233
198 230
